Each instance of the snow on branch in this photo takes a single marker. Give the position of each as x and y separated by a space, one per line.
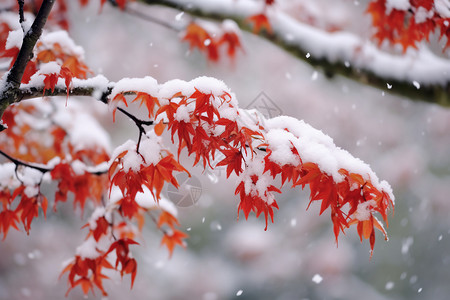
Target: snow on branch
418 74
29 40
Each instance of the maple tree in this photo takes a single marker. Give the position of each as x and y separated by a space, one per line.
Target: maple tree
202 118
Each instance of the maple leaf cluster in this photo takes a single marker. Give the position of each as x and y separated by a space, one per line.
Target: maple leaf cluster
406 25
86 272
204 122
208 38
123 186
55 55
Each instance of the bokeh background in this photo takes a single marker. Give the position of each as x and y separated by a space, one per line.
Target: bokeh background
406 143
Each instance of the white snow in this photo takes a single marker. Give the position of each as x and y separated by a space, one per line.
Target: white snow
172 87
96 214
397 4
150 148
146 85
88 249
15 39
49 68
62 38
364 210
443 7
147 201
260 187
87 133
389 285
129 145
421 15
99 82
132 161
406 244
317 278
314 146
11 19
84 130
421 65
209 85
29 176
183 114
31 191
179 16
229 25
78 167
7 176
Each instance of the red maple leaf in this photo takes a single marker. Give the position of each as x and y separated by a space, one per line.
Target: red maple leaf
252 200
83 186
198 37
101 228
170 240
233 160
8 219
260 22
128 264
149 101
156 175
50 81
87 272
167 218
232 40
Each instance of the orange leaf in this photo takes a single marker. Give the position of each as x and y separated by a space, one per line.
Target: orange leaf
159 128
232 40
198 37
150 102
171 240
76 67
167 218
260 22
46 56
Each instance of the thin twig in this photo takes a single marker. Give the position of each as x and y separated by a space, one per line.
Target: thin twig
139 123
143 16
21 17
152 217
25 164
43 169
151 19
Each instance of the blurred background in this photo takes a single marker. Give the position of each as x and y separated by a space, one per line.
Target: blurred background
406 143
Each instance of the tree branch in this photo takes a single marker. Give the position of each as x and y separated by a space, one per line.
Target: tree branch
36 92
17 162
9 90
137 13
337 53
93 90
